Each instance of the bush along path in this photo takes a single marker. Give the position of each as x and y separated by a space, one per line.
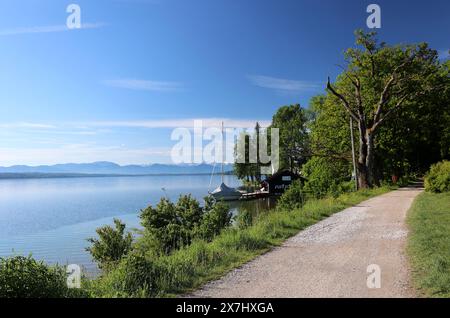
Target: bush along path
359 252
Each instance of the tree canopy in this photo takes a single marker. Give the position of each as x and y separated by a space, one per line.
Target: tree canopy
377 82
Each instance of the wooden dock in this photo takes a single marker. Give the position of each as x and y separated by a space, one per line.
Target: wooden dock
254 195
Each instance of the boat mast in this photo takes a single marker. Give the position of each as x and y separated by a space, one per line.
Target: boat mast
223 152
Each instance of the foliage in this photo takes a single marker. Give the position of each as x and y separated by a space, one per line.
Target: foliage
329 130
377 82
294 143
165 222
438 178
24 277
112 244
330 168
135 276
216 217
428 244
292 198
168 228
326 176
175 225
416 136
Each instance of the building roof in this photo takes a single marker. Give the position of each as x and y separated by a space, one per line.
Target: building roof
284 172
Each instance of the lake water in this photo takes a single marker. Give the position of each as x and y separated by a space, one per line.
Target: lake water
52 218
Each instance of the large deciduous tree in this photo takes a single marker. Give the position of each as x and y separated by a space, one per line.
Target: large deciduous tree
294 142
376 82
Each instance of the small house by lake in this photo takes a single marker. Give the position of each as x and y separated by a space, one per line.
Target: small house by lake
280 181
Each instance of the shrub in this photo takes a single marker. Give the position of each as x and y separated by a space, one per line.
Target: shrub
188 211
137 276
111 246
437 179
344 187
293 198
175 225
24 277
134 276
324 176
171 224
216 217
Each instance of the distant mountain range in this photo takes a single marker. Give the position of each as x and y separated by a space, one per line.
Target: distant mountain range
110 168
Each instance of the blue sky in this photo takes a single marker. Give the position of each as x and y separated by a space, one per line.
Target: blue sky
115 89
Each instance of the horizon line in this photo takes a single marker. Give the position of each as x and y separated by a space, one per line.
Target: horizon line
112 162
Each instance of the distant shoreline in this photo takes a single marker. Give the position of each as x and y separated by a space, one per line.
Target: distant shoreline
38 175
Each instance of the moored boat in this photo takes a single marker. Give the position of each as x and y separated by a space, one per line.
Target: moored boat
224 192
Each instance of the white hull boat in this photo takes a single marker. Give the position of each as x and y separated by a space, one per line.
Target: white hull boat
225 193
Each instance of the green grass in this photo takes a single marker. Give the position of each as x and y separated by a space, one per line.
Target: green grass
187 269
429 244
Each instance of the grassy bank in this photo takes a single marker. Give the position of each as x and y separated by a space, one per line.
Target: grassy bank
429 244
190 267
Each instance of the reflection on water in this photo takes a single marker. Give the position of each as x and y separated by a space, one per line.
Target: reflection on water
254 207
51 218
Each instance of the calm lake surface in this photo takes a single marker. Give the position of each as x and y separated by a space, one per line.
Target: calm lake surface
52 218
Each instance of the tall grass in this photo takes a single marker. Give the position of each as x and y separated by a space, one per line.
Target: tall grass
192 266
429 243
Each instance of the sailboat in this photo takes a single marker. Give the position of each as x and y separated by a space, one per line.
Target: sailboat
224 192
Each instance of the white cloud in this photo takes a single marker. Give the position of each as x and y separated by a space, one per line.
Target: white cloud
26 125
47 29
53 129
144 85
281 84
86 127
182 123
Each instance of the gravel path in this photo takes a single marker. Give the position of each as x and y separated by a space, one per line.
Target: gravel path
331 258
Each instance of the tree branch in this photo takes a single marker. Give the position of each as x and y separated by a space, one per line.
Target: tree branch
384 97
389 112
344 101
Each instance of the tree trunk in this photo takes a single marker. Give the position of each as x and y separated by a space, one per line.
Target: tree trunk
363 175
366 176
365 151
370 159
